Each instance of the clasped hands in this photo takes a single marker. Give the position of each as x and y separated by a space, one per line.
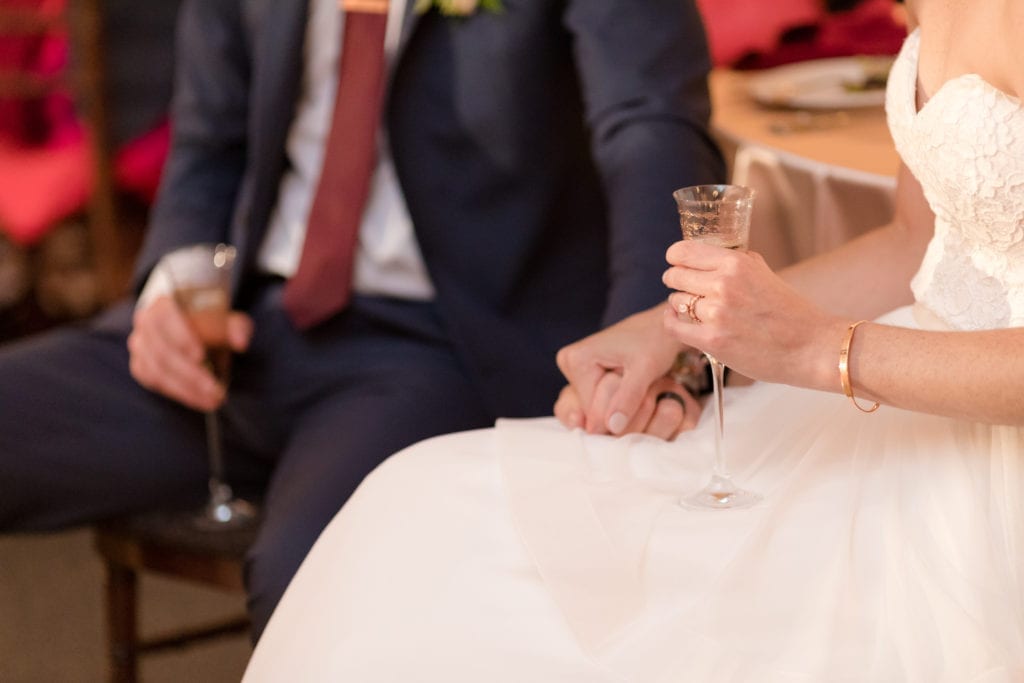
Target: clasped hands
616 377
746 316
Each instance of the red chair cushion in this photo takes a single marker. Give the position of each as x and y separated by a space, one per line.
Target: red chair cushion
40 186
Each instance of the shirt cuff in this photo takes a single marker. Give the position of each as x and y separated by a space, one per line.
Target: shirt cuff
159 282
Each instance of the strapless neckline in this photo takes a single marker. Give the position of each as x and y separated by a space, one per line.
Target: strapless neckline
950 84
965 146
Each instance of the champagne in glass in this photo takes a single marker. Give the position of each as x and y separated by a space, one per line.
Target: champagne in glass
718 215
201 278
206 310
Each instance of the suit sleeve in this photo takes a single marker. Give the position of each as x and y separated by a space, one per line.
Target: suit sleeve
209 115
644 66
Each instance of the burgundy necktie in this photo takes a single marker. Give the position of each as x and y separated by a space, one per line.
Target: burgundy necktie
322 284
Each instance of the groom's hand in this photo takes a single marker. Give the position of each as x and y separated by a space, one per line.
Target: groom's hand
167 357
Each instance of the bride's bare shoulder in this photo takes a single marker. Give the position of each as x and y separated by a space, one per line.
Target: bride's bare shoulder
908 10
970 37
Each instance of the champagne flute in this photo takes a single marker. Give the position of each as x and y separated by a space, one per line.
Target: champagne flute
719 215
201 279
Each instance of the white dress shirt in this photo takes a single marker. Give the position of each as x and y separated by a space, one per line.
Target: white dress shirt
388 260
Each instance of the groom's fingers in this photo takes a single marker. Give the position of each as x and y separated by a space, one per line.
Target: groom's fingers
581 370
676 410
667 419
239 328
596 410
568 409
585 376
165 356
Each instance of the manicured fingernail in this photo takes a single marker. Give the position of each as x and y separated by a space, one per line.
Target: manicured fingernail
617 423
575 420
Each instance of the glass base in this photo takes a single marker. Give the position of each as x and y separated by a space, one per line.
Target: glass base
229 514
721 494
224 511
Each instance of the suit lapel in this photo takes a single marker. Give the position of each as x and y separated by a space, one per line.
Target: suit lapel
409 23
278 56
278 29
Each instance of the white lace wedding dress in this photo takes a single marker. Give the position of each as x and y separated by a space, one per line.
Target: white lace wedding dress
889 547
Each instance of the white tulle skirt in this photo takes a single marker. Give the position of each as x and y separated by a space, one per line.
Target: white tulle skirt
888 547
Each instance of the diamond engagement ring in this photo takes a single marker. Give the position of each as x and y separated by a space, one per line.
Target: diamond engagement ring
691 308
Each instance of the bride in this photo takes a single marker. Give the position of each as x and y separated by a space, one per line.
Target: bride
888 547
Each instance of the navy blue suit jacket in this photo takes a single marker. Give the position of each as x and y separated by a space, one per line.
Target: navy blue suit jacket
537 149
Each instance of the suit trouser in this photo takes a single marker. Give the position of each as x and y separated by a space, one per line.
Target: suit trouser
308 416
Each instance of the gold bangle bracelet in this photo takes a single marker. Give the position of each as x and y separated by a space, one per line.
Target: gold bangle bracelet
844 368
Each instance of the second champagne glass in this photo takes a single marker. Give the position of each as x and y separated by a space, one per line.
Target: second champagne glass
719 215
201 278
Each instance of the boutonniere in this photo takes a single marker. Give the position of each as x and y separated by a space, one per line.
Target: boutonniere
458 8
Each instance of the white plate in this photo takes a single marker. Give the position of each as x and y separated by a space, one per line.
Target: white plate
822 83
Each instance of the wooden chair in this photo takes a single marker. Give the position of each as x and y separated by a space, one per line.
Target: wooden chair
34 96
111 249
38 92
167 544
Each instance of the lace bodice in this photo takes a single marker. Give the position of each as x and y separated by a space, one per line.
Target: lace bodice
966 148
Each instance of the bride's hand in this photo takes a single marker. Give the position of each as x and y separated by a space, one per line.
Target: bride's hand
748 317
665 410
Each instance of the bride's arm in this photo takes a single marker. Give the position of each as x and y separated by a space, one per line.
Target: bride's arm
972 375
789 329
641 352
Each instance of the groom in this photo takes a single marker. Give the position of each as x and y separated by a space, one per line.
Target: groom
419 230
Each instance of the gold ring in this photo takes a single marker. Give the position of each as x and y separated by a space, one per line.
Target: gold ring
691 308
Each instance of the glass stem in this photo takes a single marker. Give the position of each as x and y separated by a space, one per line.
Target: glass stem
219 492
717 377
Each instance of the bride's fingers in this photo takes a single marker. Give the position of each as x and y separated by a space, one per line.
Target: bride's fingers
693 411
695 255
713 269
630 406
690 308
693 281
609 392
685 330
